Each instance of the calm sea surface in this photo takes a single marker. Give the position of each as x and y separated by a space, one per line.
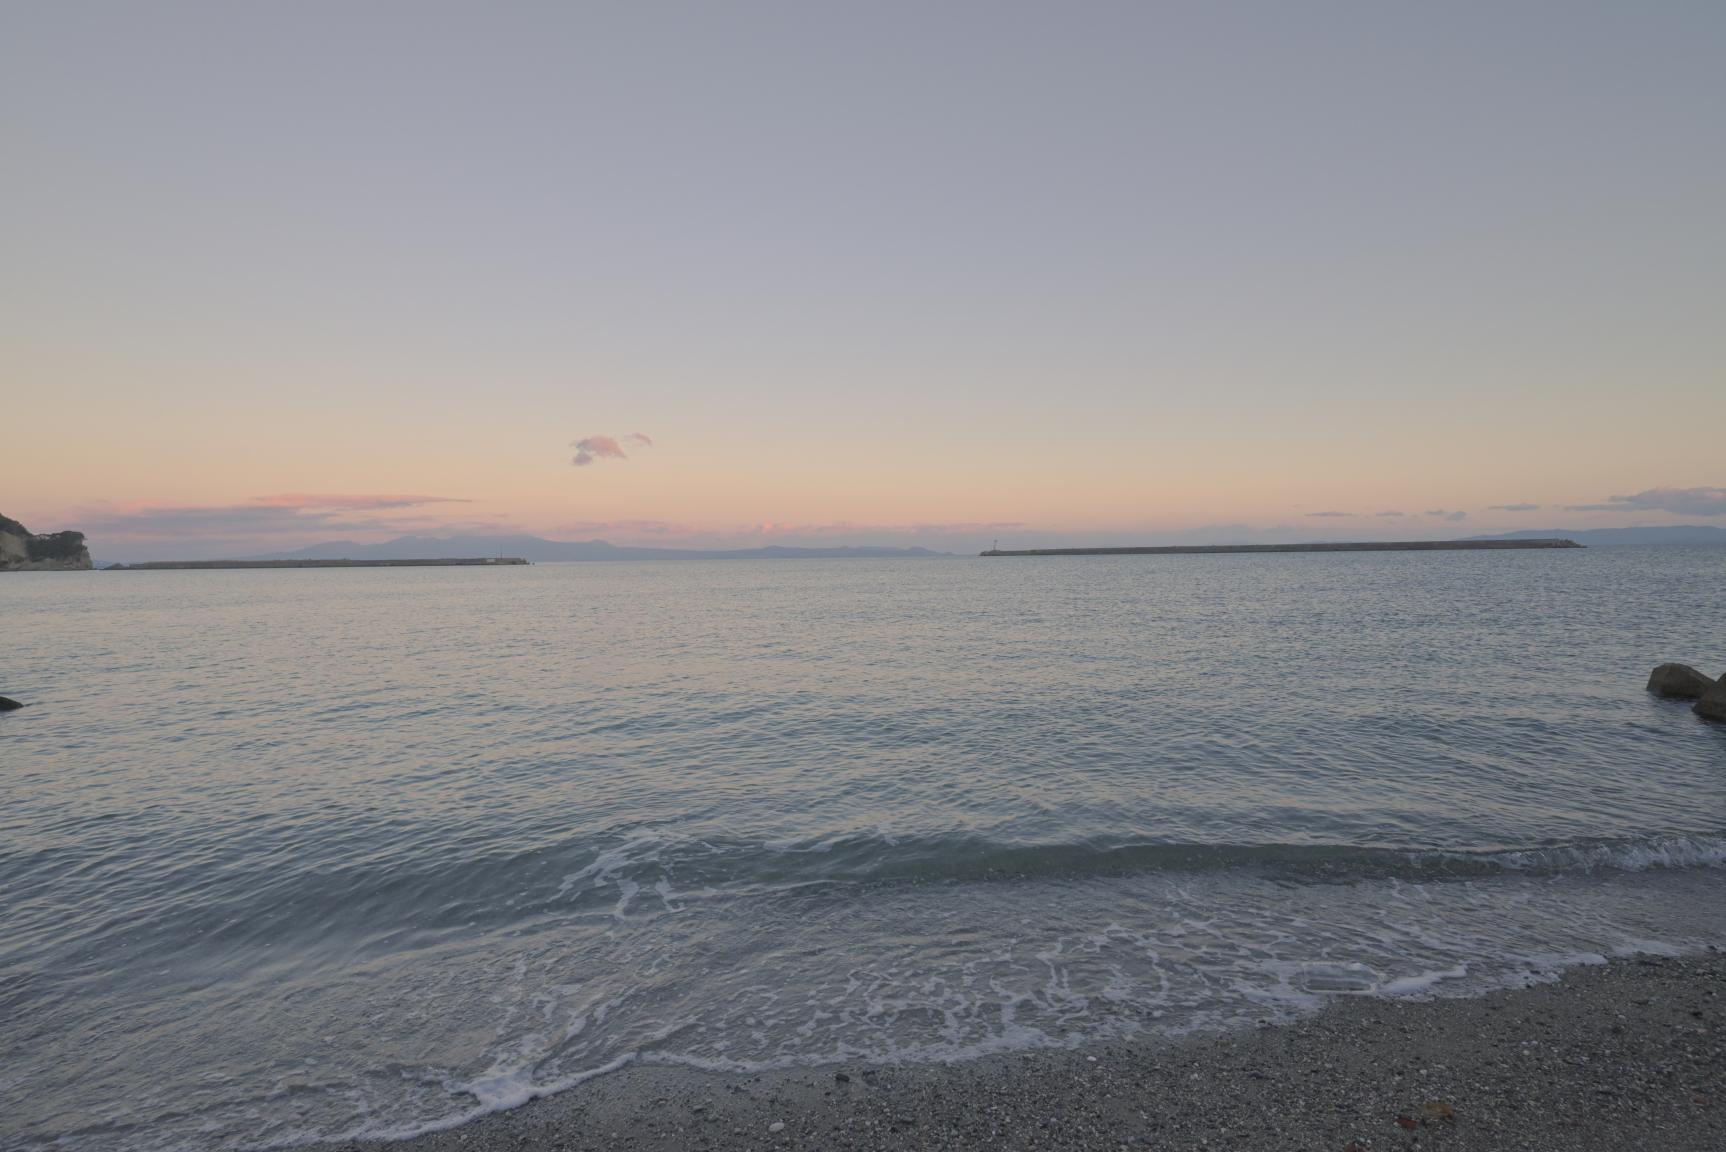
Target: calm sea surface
298 854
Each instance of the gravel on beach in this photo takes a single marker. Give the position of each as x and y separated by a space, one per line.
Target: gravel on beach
1629 1055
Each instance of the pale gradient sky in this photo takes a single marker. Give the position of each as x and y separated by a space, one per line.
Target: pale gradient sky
877 272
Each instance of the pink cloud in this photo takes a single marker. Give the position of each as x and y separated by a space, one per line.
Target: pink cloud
591 448
849 528
347 502
626 527
667 533
1681 501
253 523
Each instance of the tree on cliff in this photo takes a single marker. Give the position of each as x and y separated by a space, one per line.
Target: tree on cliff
19 547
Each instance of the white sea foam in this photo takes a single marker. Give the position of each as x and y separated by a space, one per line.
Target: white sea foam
1162 957
642 846
1632 856
495 1093
1420 983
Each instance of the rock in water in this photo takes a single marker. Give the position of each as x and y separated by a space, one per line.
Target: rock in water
7 704
1713 702
1680 681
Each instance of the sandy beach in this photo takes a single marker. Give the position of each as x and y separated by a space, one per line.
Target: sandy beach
1626 1055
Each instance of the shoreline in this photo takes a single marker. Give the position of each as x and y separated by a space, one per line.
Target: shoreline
1631 1053
211 565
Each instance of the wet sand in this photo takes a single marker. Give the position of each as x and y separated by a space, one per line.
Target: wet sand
1622 1056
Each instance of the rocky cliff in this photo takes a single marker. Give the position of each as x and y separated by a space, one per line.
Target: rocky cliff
24 551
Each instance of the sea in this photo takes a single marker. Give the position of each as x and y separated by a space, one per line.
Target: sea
289 855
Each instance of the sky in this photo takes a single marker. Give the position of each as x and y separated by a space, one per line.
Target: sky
884 273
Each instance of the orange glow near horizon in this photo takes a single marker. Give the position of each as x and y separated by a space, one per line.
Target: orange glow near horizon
1094 296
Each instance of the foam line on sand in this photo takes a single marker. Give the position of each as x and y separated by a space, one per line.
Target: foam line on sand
1621 1055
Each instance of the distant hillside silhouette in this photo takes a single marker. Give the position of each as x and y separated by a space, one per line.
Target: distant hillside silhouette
551 551
1606 537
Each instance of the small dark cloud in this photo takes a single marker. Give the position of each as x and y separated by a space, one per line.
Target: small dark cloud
1393 513
591 448
1683 501
1330 513
1444 514
1515 507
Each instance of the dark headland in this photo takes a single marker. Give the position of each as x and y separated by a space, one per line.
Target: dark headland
22 550
1369 546
156 565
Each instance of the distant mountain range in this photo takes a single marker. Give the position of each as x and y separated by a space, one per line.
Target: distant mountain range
1599 537
551 551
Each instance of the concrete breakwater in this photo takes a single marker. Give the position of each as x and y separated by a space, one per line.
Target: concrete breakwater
1370 546
155 565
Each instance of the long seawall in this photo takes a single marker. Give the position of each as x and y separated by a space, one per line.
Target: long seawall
155 565
1369 546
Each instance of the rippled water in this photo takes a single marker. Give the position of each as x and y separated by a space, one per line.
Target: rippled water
296 854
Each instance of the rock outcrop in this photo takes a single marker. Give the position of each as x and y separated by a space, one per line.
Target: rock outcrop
24 551
1712 705
1679 681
